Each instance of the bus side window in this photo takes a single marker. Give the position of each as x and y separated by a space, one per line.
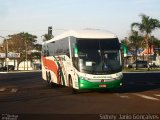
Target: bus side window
47 52
44 53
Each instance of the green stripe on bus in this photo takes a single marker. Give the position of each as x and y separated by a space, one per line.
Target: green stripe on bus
61 73
85 84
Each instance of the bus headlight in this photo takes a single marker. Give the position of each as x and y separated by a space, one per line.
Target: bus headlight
81 84
117 76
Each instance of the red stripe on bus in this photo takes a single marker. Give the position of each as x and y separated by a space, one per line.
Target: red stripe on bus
51 65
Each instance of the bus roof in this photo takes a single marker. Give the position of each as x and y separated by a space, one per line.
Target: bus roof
90 34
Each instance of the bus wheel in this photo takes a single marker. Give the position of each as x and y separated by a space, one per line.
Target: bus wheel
50 83
74 91
47 78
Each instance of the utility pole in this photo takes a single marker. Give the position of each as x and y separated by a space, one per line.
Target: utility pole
26 51
7 54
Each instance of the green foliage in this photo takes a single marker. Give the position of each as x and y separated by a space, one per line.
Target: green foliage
135 42
147 24
135 39
155 42
47 37
21 43
38 47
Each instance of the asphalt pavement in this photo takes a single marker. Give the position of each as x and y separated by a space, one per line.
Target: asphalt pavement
27 94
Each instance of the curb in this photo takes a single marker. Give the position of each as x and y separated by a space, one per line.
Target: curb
143 72
20 71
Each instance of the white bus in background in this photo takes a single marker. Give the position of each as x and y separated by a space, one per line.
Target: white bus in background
84 59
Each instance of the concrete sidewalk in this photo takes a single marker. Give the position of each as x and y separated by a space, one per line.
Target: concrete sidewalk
19 71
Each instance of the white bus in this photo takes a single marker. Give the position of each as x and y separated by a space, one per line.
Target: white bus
84 59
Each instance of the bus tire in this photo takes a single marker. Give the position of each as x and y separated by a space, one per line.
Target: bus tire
47 77
50 83
74 91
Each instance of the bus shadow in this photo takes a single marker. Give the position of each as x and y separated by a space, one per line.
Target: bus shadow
139 82
133 88
126 88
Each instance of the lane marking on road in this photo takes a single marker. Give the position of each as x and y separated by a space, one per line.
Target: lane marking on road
146 97
2 89
158 95
14 90
122 96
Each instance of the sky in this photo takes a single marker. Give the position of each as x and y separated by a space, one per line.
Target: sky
34 16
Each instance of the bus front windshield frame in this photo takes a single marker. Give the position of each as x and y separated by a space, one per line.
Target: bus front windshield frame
97 56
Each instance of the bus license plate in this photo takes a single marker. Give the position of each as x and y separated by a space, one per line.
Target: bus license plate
102 86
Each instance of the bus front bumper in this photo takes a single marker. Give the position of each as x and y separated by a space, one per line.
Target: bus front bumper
84 84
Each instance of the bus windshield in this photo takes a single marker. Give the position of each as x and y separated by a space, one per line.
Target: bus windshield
98 56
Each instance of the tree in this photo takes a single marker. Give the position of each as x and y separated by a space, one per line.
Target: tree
47 37
146 26
21 43
135 42
38 47
37 53
155 43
